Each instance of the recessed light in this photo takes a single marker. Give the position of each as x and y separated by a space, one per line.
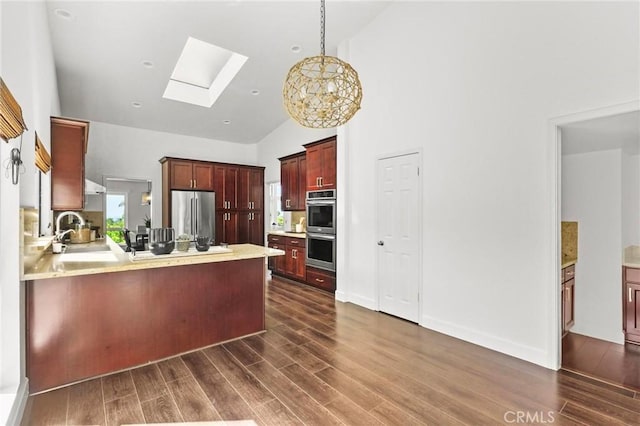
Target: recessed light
226 122
63 13
136 104
296 49
147 64
255 92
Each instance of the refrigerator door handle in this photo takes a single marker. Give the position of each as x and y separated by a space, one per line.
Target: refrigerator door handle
191 211
195 214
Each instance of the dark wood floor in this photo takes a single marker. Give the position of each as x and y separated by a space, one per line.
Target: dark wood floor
323 362
617 364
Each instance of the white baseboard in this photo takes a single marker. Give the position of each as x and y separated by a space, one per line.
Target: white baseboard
515 349
365 302
341 296
19 403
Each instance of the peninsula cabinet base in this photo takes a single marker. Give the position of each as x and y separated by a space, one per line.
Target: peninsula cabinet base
84 326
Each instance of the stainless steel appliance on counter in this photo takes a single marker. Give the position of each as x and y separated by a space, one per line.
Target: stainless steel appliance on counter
193 213
321 229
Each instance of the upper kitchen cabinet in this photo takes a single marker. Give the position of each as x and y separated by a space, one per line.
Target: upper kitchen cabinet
293 177
321 164
250 188
186 174
69 138
226 187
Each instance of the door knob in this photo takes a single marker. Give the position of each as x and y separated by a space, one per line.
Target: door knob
380 243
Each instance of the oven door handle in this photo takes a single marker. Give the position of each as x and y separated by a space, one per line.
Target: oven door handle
313 202
321 236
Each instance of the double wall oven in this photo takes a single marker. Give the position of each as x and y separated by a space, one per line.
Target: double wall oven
321 229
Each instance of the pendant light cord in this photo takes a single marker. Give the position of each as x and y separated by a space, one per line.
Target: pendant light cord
322 27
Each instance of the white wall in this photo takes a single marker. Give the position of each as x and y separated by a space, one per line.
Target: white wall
118 151
27 68
474 85
630 199
592 196
285 140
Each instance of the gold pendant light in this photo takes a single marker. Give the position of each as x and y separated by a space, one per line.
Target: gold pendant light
322 91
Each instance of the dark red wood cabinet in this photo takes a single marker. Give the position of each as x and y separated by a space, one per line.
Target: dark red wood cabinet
239 196
192 175
84 326
321 164
568 298
292 264
631 304
293 175
69 138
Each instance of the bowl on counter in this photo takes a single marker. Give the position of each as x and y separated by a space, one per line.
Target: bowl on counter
162 240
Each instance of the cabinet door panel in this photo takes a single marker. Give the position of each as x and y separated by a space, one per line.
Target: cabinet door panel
227 227
181 175
244 225
277 263
203 176
632 309
218 180
256 229
302 186
289 176
67 167
328 175
568 304
243 189
256 189
314 167
231 187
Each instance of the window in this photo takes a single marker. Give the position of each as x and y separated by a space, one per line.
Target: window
276 218
116 214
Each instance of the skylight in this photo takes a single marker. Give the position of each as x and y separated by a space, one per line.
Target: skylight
202 73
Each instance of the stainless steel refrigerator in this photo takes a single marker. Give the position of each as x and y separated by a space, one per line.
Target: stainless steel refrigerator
193 213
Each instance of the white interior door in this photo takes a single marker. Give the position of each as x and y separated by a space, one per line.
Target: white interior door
399 236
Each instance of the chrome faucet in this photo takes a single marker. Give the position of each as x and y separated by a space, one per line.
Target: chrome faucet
60 234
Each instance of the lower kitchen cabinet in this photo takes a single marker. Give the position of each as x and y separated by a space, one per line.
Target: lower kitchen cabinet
631 304
277 263
227 227
250 227
568 299
292 264
295 262
320 278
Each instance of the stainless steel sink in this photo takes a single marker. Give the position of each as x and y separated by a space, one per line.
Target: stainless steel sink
71 248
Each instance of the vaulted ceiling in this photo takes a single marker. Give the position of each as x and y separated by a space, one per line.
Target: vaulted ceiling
110 55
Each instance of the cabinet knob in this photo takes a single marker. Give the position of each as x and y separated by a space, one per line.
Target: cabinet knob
380 243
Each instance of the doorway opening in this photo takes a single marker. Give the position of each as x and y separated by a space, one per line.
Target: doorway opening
598 184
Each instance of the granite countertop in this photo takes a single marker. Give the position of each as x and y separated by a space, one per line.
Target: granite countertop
289 234
51 265
568 261
631 257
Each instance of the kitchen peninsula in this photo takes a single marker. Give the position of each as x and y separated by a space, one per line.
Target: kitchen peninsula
89 318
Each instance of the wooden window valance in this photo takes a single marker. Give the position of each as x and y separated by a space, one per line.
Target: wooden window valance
11 122
43 159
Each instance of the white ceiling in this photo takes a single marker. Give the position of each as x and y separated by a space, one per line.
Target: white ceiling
99 54
620 131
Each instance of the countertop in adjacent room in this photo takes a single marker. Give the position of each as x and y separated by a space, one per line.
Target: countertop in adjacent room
631 257
568 261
